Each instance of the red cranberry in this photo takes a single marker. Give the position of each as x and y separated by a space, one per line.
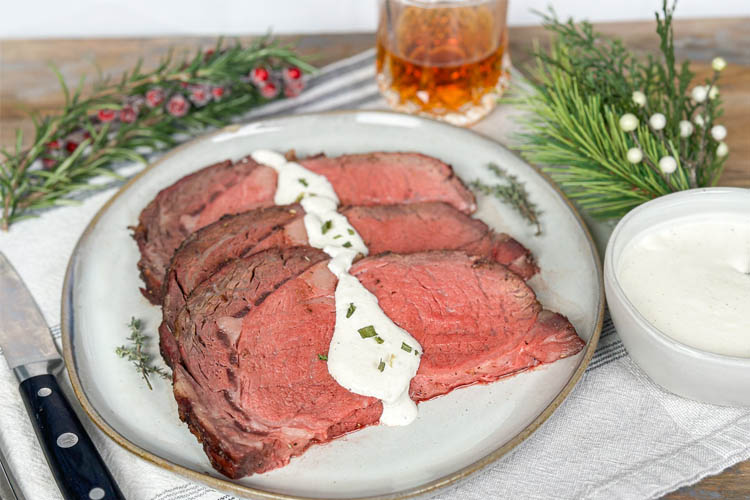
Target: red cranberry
292 73
53 144
260 75
128 114
178 106
71 146
106 115
217 92
154 97
292 90
269 90
200 95
48 163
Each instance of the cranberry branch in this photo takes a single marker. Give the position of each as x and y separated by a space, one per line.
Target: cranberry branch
142 112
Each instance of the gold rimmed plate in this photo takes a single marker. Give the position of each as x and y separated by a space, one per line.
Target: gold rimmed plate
453 437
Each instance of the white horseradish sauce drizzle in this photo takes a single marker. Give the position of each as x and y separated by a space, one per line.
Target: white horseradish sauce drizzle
369 354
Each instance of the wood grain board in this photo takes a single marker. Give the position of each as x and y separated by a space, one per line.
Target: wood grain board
26 84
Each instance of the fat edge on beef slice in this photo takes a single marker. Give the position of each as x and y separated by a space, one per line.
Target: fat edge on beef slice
255 392
227 188
404 228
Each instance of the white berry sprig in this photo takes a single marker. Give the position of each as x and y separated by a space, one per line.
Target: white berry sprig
616 129
701 97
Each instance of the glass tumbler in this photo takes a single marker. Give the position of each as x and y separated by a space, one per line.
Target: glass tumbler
443 58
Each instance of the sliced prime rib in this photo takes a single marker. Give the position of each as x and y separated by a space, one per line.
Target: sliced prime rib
231 294
436 226
408 228
192 202
229 188
255 392
418 227
205 251
387 178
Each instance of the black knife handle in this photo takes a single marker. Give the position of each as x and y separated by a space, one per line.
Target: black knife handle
78 468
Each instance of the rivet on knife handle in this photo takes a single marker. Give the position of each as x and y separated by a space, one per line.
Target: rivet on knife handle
77 466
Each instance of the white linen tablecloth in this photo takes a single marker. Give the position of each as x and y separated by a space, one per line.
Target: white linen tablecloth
617 436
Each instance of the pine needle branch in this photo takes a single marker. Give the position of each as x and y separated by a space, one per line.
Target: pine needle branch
582 85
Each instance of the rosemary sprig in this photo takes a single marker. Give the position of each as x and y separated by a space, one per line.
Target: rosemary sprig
584 84
137 356
140 113
513 192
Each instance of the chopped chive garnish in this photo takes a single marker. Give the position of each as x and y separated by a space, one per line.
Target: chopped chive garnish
367 331
303 181
299 198
348 244
381 366
327 225
337 237
406 347
350 231
416 353
313 194
379 340
323 357
351 310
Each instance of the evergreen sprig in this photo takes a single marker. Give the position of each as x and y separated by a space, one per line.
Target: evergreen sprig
84 142
135 354
581 88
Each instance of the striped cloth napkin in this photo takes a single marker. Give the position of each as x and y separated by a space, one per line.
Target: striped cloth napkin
616 436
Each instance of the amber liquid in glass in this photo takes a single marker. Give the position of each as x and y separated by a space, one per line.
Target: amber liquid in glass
443 61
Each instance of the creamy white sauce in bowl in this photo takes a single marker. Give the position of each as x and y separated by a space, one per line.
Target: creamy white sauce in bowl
690 278
676 281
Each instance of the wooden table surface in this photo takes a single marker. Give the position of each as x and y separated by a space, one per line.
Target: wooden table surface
26 83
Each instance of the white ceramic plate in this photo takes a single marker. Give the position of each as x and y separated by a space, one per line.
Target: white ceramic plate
454 435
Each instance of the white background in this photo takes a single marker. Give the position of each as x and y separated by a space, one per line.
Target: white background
84 18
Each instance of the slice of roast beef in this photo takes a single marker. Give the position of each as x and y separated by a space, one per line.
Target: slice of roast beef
205 251
403 228
226 188
195 201
388 178
418 227
436 226
232 292
254 389
476 320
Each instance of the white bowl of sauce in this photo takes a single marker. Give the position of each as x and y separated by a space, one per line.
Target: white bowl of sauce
677 279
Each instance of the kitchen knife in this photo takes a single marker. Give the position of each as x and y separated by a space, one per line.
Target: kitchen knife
31 353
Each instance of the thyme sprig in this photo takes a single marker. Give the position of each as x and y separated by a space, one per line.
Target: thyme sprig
135 353
142 112
513 192
585 84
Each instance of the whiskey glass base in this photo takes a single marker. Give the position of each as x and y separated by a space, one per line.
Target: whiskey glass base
471 114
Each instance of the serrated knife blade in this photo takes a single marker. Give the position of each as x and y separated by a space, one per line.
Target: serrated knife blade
24 336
